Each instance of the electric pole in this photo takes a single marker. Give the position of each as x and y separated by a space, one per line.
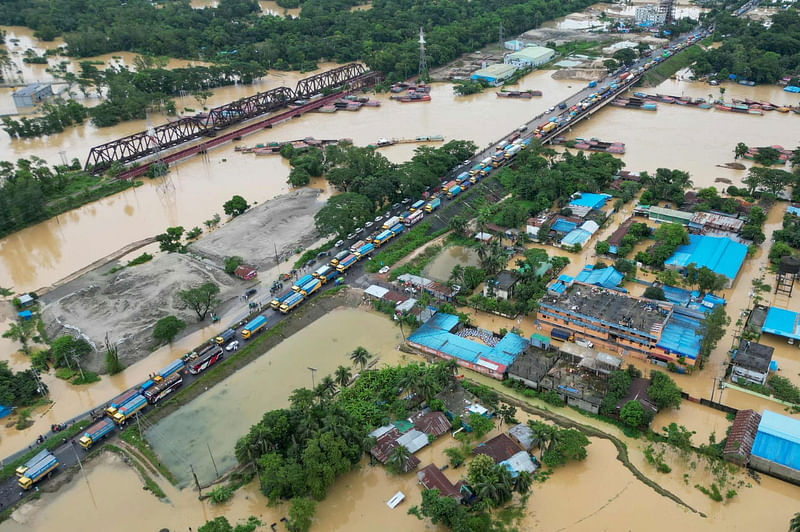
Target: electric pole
423 65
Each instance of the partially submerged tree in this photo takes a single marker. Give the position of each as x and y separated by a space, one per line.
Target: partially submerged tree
201 298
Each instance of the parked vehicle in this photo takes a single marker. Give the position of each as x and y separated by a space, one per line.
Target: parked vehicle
584 343
339 256
95 433
233 346
433 205
349 261
405 214
155 393
453 192
38 471
33 461
225 336
278 301
310 287
207 360
120 400
173 367
129 409
303 280
255 325
561 334
292 302
366 249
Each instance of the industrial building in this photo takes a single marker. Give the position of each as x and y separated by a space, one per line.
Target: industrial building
721 255
32 94
776 448
663 215
437 337
782 322
751 362
530 56
618 323
494 74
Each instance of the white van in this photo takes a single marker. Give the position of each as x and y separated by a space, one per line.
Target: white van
584 343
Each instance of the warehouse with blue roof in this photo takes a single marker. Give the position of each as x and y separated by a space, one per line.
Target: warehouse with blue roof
721 255
776 448
437 337
782 322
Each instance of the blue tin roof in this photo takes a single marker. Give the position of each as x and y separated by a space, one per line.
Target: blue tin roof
563 226
778 439
606 277
782 322
719 254
576 236
680 335
591 200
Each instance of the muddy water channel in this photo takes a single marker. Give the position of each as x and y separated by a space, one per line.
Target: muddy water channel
220 416
442 266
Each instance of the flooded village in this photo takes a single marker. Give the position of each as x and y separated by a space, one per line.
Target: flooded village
548 287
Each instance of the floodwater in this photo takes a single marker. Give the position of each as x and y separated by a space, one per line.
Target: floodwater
442 266
180 439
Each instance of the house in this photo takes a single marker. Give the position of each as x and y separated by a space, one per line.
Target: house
26 300
32 94
638 392
483 237
535 223
413 440
502 286
431 478
523 435
245 272
499 448
751 362
432 423
518 463
388 437
776 448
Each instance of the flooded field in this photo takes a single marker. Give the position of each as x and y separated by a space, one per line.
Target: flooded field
440 268
225 413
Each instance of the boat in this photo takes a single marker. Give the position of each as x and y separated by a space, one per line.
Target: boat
640 95
412 97
722 107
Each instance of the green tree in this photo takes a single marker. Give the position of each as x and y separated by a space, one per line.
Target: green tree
458 224
235 206
523 483
669 277
632 414
299 177
740 150
231 263
779 250
456 455
663 391
218 524
611 65
655 292
65 350
708 281
171 239
301 514
626 56
567 444
343 213
167 328
544 433
794 524
22 332
399 458
360 357
602 247
200 299
711 331
113 364
343 376
479 469
479 424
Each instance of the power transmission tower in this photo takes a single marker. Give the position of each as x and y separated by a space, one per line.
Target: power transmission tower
500 36
423 65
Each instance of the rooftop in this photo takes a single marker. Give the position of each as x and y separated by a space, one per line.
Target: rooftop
519 462
753 356
505 280
434 423
533 53
638 392
718 221
588 199
533 364
497 71
662 212
31 89
616 237
778 439
741 436
606 277
523 435
680 334
782 322
499 448
720 254
611 307
431 478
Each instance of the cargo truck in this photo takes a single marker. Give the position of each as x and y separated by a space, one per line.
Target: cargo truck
329 274
120 400
397 229
292 302
225 336
413 219
165 387
498 159
310 287
561 334
463 176
394 220
453 192
475 169
319 272
255 325
94 433
278 301
417 205
38 471
549 127
406 214
592 84
300 282
356 246
379 241
433 205
366 249
339 256
129 409
33 461
474 179
205 361
351 259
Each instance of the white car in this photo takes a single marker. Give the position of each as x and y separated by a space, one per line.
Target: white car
550 110
368 224
351 236
359 230
338 243
233 346
378 218
385 269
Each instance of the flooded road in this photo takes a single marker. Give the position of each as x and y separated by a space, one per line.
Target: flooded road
441 267
222 415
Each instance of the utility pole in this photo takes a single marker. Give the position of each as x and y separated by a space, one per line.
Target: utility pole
196 482
423 65
500 34
713 387
312 370
212 459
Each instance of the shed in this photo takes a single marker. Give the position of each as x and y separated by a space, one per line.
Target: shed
413 440
433 423
776 449
518 463
483 237
523 435
741 436
376 291
25 300
32 94
530 56
721 255
245 272
431 478
499 448
494 74
386 441
25 315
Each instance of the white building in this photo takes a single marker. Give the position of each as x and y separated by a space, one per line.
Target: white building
648 15
531 56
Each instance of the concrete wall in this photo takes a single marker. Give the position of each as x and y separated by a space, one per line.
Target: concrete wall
745 375
774 469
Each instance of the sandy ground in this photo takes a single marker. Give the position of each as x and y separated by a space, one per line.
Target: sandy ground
127 304
286 222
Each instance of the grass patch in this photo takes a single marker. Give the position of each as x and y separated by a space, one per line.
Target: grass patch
332 291
220 494
312 253
402 247
132 437
64 373
141 259
50 443
149 483
667 68
88 377
417 264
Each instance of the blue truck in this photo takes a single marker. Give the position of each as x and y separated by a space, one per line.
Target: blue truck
94 433
326 273
33 461
351 259
453 192
433 205
120 400
38 471
365 250
292 302
256 324
279 300
173 367
300 282
417 205
310 287
129 409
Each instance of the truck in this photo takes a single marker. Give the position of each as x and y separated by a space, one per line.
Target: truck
300 282
328 274
255 325
512 151
475 169
155 393
561 334
417 205
30 463
463 176
624 76
474 179
310 287
292 302
397 229
206 360
94 433
592 84
120 400
406 214
351 259
379 241
38 471
433 205
549 127
366 249
453 192
394 220
320 272
356 246
339 256
498 158
414 218
130 408
278 301
225 336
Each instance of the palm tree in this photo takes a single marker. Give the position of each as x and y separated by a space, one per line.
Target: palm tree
428 386
504 482
544 433
486 490
360 356
411 379
794 524
524 481
343 376
457 275
328 387
399 458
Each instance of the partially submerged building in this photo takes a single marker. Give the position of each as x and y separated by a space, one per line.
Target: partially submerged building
780 322
721 255
776 448
741 436
502 286
499 448
523 435
751 362
430 477
494 74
